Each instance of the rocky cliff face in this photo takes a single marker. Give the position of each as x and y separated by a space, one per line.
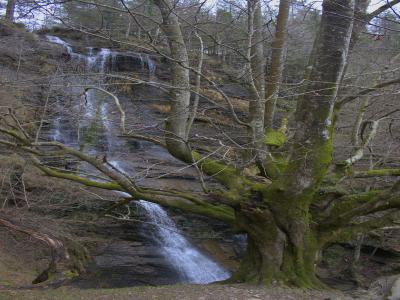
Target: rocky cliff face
123 253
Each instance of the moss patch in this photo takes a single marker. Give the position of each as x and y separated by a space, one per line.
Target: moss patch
274 137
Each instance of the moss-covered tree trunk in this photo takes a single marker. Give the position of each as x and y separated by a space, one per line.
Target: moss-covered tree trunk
282 243
273 255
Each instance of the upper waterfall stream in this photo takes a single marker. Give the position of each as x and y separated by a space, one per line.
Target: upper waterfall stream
191 265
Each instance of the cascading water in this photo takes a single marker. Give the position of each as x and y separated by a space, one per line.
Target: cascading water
151 66
75 56
104 56
91 59
190 263
93 109
194 266
57 40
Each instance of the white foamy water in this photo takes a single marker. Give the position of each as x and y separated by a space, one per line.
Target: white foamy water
57 40
193 266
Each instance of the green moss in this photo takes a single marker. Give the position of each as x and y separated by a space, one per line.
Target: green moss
352 201
276 166
79 258
274 137
82 180
227 175
324 153
95 127
91 132
377 173
70 274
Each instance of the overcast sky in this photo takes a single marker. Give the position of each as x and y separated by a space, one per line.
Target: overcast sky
211 3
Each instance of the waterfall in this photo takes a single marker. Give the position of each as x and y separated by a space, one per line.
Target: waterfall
94 110
91 59
75 56
57 40
104 56
151 65
193 266
56 134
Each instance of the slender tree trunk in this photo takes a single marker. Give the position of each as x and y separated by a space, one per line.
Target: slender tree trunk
196 99
176 124
257 84
128 29
276 67
355 140
360 22
10 10
156 34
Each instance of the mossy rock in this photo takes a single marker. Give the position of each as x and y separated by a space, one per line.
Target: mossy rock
274 137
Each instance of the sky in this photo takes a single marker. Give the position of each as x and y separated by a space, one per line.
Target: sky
211 3
317 4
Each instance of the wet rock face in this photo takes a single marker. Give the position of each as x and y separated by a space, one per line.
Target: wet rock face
126 61
132 263
129 63
127 254
126 257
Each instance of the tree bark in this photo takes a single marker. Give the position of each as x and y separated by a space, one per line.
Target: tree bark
287 200
271 256
176 124
257 84
360 22
276 67
10 10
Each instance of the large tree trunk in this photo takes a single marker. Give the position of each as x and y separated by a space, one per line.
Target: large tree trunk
272 256
282 243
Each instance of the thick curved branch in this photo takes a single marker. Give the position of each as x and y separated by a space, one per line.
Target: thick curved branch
225 214
144 138
346 233
58 251
366 91
381 9
359 153
363 204
376 173
114 186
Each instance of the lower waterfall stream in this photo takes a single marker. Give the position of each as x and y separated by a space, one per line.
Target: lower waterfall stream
191 265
